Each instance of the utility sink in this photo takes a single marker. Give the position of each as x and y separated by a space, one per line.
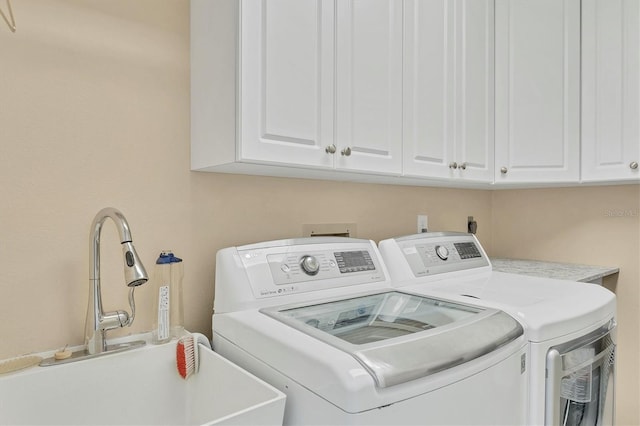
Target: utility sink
141 387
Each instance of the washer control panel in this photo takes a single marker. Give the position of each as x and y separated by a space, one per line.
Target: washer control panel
299 267
292 267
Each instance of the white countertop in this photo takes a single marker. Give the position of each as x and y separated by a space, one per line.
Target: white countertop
561 271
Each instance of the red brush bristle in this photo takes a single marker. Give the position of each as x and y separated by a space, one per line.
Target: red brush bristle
185 357
181 360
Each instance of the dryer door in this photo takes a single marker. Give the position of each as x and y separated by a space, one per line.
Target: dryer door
580 380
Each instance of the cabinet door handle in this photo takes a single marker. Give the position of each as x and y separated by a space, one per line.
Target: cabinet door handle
331 149
346 152
504 170
633 165
463 166
453 165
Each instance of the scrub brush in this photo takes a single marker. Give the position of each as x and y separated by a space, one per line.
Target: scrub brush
187 354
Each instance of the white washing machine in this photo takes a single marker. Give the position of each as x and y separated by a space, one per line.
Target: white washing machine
319 319
570 325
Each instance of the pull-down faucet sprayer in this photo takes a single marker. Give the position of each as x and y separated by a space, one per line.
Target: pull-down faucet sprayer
98 322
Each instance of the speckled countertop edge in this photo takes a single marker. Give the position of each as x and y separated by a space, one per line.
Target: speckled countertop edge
555 270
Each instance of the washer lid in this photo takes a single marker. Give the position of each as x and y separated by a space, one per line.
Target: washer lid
398 337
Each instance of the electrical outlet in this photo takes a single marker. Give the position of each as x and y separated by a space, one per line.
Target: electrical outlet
423 223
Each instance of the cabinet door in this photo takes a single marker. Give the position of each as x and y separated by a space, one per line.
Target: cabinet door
474 89
428 123
610 90
287 81
537 90
369 86
448 89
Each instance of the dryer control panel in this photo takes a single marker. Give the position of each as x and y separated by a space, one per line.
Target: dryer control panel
430 254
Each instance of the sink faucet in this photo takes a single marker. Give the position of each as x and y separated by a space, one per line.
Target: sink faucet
98 322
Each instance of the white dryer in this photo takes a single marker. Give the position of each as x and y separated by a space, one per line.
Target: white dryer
570 325
319 319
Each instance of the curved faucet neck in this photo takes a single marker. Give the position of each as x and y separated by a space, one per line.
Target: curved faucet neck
96 229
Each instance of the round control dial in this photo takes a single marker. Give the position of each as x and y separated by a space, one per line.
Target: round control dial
442 252
309 265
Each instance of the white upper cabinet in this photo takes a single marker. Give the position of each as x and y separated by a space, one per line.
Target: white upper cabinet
454 92
318 87
369 86
448 89
287 81
322 86
610 90
537 91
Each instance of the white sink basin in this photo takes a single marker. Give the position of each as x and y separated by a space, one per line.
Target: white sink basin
141 387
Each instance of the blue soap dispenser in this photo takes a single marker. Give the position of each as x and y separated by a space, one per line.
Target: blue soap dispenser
167 293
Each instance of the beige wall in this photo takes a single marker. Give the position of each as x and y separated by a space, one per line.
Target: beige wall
94 112
94 99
